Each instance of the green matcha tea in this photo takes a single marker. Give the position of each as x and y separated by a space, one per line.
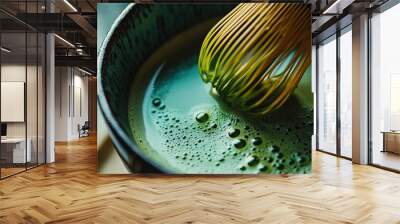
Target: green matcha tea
181 123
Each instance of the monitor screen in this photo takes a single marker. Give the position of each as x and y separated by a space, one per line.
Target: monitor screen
3 129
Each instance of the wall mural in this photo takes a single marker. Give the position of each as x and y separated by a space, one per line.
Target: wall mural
204 88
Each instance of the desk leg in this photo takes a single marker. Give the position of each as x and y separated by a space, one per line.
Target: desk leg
384 142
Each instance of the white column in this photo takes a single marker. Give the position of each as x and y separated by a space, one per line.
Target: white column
50 110
50 93
360 90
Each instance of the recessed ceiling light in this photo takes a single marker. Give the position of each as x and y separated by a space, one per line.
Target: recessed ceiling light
64 40
5 50
70 5
338 6
84 71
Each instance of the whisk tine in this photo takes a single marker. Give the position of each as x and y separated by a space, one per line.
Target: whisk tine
256 55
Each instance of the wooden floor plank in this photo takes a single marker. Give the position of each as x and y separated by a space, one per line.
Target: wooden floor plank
70 191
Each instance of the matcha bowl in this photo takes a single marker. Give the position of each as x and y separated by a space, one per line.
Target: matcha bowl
134 36
162 118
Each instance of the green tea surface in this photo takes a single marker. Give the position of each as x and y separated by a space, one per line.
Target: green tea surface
179 122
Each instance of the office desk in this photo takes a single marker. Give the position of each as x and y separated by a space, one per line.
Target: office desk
391 141
13 150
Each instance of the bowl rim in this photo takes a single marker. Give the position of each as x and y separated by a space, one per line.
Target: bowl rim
116 132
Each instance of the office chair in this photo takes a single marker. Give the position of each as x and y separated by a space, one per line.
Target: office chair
84 130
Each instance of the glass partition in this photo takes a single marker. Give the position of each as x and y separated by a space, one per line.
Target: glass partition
346 92
334 95
41 96
14 153
22 101
385 89
327 95
31 99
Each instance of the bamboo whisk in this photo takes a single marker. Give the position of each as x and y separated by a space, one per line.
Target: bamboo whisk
257 54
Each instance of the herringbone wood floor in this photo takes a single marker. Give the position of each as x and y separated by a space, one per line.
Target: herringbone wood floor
70 191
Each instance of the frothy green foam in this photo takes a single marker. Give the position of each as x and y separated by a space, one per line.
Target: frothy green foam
177 120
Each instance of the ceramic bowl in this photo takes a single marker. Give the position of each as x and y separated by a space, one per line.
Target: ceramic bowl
135 35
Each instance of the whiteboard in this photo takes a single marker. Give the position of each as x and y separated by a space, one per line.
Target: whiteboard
12 101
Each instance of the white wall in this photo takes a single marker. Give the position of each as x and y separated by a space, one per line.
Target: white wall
71 102
33 127
16 72
61 103
80 110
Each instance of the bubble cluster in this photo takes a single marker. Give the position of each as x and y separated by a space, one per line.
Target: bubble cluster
209 139
221 141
